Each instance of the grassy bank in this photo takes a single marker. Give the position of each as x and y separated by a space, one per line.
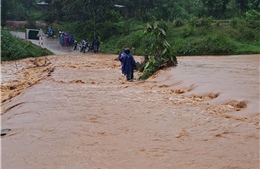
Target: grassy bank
221 38
13 48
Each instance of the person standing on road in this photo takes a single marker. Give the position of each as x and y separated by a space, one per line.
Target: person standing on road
95 45
128 64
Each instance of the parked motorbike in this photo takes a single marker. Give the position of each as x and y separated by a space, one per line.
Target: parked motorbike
90 48
75 44
50 34
83 46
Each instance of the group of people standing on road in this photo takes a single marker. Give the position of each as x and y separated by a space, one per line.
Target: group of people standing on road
128 64
66 39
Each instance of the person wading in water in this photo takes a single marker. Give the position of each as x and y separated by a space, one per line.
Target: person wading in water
128 64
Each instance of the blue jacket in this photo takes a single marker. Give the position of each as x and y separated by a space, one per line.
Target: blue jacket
128 63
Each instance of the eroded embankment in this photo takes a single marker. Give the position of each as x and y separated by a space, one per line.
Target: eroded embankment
17 76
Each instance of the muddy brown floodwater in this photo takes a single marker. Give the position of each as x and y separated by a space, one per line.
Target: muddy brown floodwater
78 112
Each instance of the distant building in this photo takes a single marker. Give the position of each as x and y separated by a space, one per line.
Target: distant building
44 3
121 8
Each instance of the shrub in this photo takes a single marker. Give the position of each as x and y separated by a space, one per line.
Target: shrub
149 68
204 22
178 22
193 21
31 24
253 15
247 34
214 44
187 48
219 44
159 49
188 30
236 22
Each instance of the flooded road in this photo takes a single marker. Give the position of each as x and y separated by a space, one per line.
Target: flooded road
79 112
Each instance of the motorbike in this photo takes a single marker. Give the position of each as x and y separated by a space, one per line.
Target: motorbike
90 48
83 46
50 34
75 44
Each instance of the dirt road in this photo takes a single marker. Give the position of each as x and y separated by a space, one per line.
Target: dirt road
79 112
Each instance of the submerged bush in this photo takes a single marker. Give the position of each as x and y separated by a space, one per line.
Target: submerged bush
150 68
159 50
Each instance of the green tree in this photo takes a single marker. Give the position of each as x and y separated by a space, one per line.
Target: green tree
4 9
253 15
243 5
215 8
232 9
13 10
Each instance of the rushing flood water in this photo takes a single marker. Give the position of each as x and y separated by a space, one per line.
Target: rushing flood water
234 78
78 112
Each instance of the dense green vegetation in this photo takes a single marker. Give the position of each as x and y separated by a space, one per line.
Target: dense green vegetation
192 27
220 38
13 48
